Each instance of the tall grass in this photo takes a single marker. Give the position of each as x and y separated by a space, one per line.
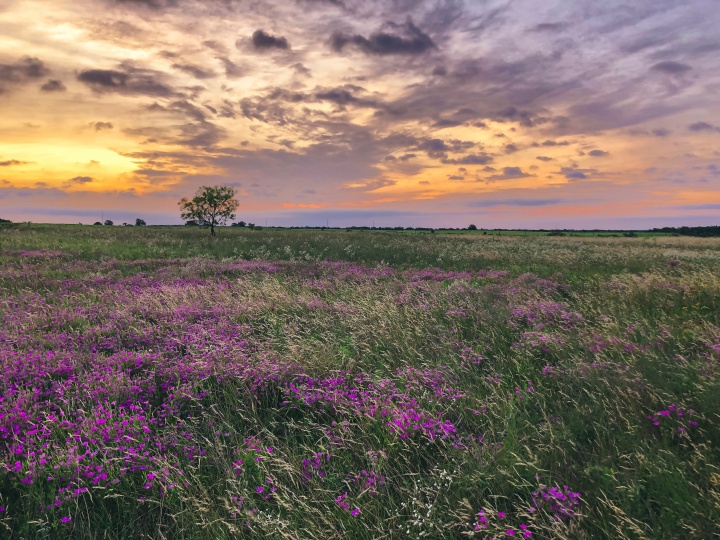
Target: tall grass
432 387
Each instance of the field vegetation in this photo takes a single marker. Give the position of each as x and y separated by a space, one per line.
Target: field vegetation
159 383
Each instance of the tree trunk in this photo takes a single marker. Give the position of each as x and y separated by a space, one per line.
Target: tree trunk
212 229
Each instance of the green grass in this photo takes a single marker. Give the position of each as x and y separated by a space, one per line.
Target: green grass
637 331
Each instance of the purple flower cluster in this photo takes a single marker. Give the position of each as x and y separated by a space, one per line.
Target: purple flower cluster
678 419
560 503
501 529
345 505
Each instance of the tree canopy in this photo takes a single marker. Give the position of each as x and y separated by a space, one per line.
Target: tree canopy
211 205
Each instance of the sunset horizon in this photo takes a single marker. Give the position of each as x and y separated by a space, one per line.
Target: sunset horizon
407 113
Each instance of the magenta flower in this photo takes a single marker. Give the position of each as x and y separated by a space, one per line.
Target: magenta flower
65 519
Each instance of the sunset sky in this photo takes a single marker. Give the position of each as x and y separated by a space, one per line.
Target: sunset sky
553 114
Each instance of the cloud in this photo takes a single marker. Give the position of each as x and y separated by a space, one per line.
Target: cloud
338 3
671 68
53 85
544 158
598 153
446 123
490 203
232 70
574 173
657 132
510 173
411 41
372 185
23 71
702 126
552 143
549 27
470 159
13 163
99 126
129 81
261 40
707 206
78 181
154 4
343 96
195 71
11 192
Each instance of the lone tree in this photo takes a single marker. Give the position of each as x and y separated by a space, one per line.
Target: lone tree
140 222
472 227
212 205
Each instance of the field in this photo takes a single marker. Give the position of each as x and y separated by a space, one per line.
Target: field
157 383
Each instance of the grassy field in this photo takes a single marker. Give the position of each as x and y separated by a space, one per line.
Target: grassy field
158 383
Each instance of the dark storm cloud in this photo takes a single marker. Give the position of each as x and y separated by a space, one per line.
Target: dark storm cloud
130 80
53 85
490 203
410 41
671 68
261 40
598 153
195 71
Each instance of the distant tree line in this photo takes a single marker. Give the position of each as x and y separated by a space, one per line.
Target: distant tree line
138 223
704 232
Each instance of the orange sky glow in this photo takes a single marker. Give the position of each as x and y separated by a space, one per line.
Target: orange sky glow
396 112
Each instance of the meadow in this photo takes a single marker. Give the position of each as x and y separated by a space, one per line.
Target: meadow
158 383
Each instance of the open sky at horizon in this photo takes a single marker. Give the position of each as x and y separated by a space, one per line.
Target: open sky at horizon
501 113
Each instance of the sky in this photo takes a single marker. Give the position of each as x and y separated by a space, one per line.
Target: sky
432 113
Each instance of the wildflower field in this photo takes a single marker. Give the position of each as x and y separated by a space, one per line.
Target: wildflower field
157 383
